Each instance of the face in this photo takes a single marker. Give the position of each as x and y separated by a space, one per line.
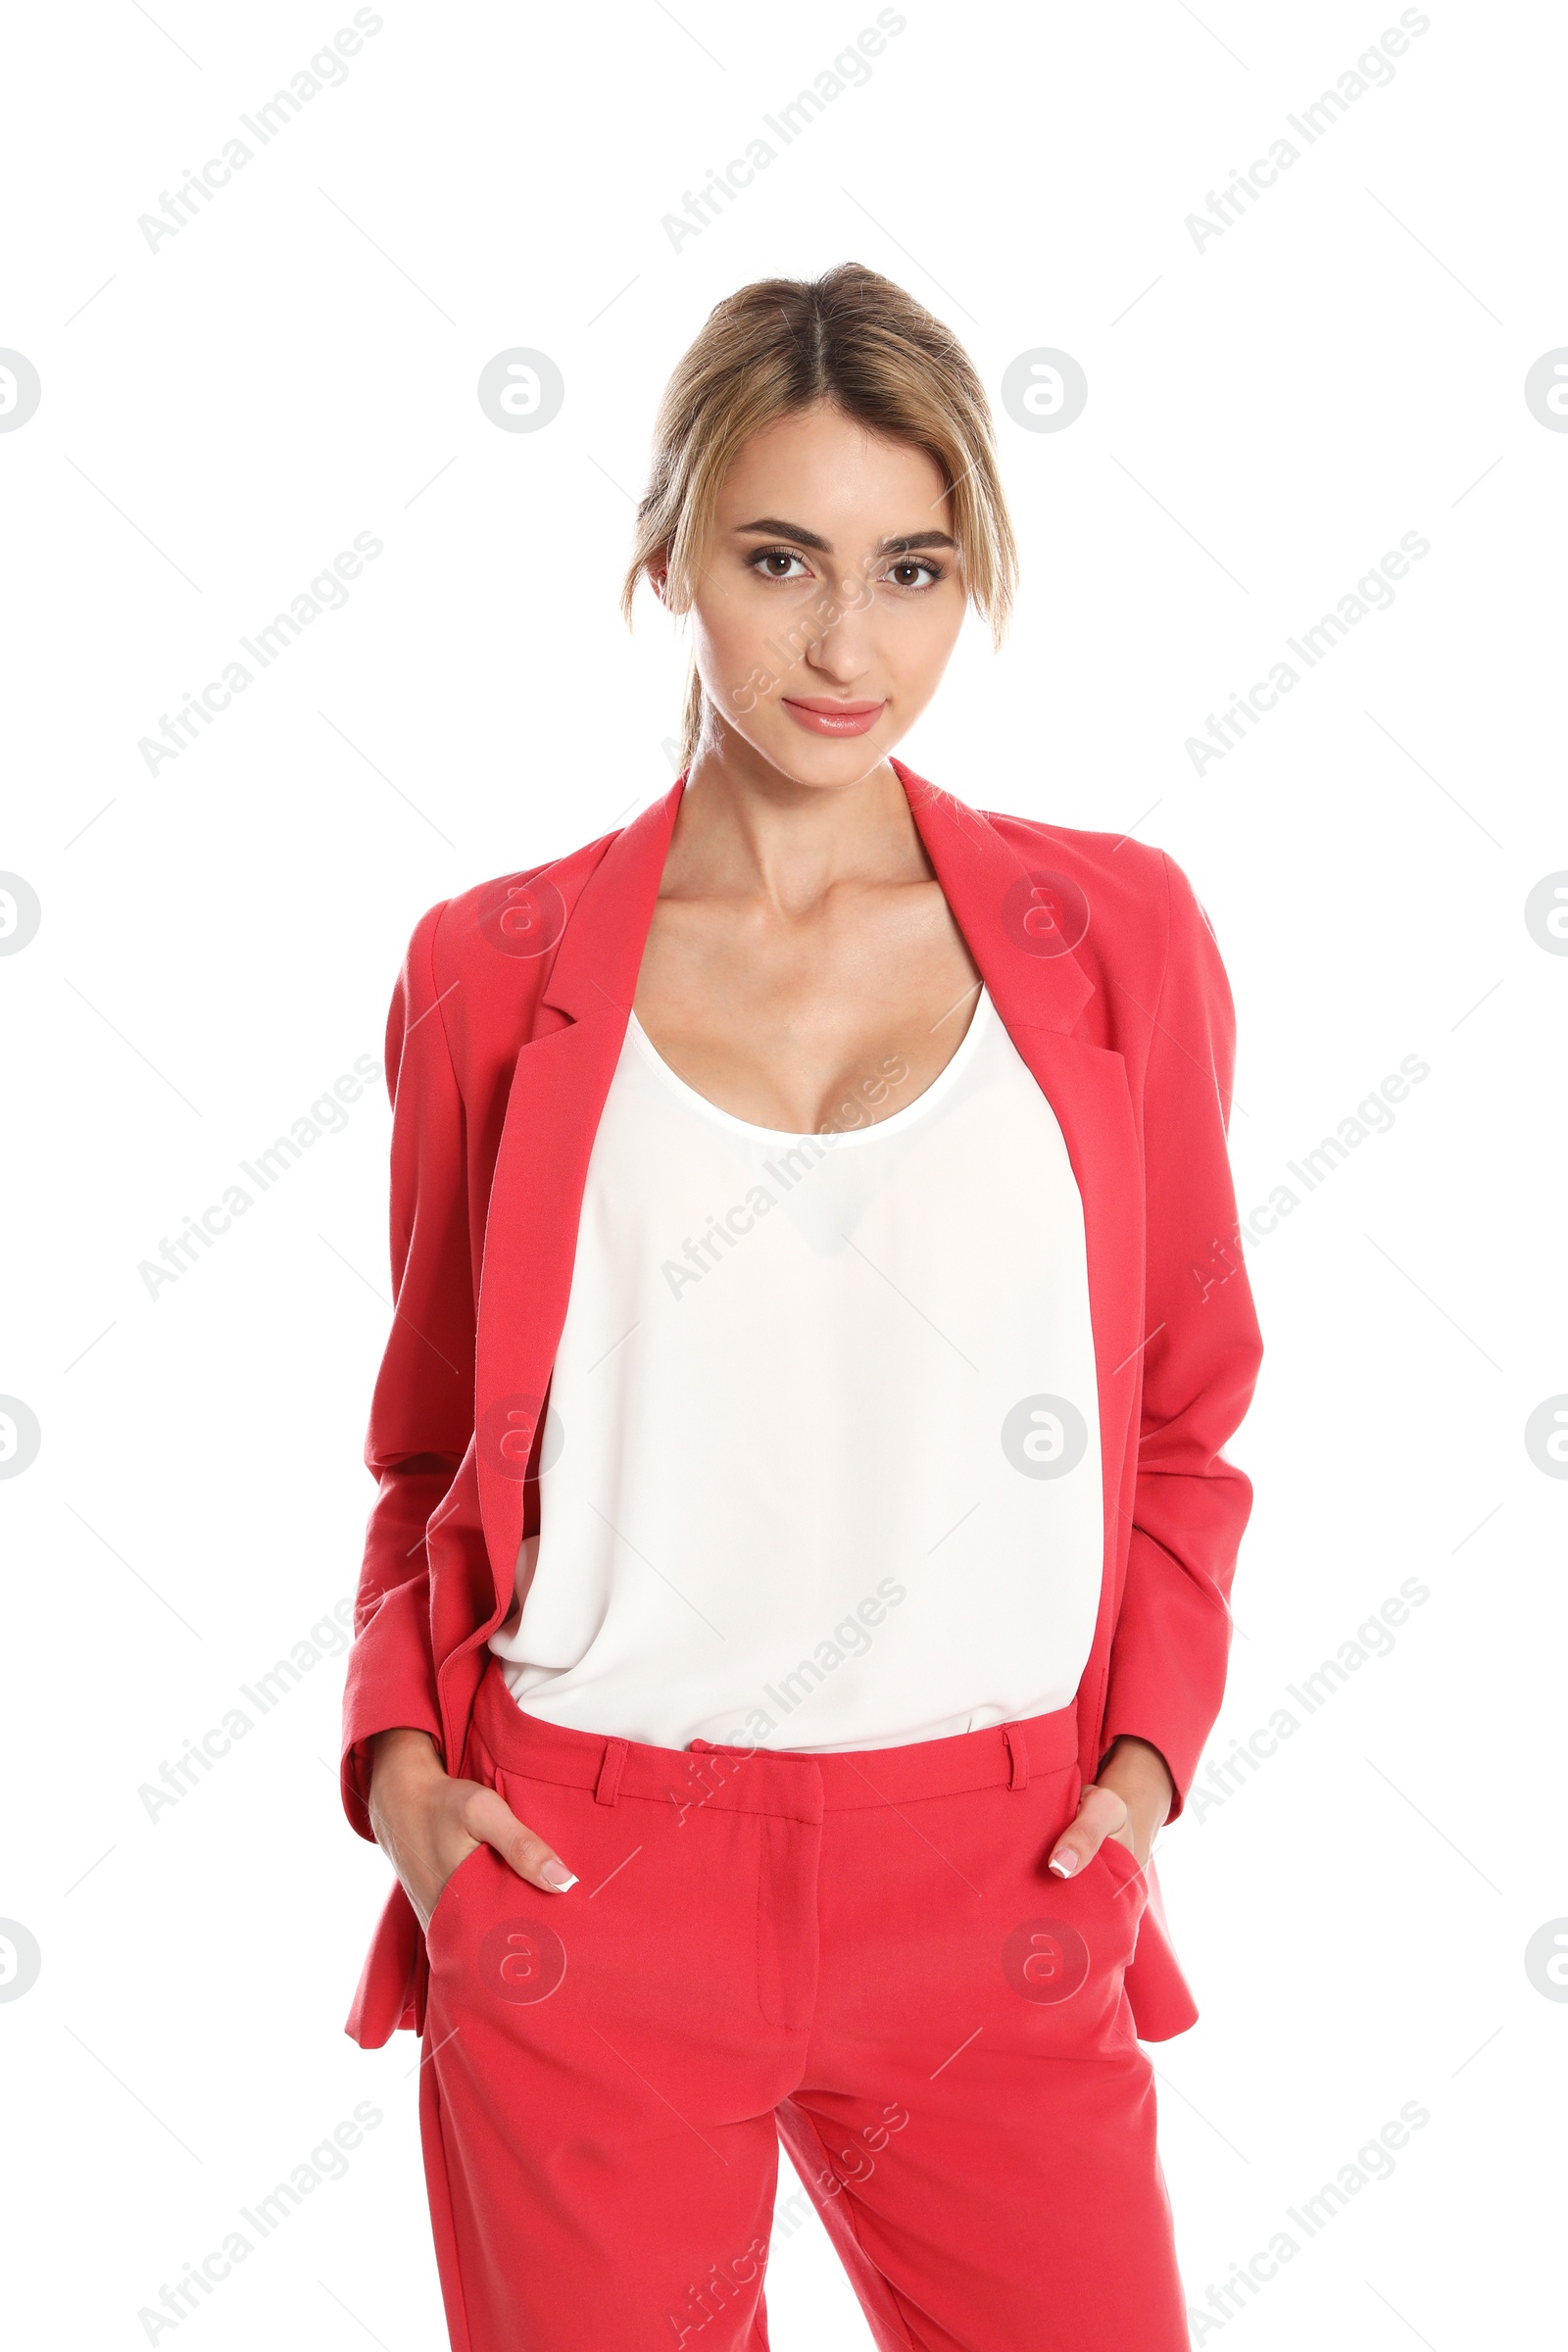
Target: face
830 598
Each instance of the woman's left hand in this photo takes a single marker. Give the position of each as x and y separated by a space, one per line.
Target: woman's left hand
1129 1802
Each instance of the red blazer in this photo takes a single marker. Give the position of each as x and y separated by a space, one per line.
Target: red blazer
506 1025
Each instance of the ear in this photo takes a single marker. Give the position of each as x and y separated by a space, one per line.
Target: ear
658 571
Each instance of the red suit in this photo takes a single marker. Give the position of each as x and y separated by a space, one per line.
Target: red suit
506 1026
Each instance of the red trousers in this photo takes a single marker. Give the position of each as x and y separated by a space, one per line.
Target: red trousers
861 1952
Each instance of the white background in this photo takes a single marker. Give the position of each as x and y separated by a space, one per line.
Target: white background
1266 416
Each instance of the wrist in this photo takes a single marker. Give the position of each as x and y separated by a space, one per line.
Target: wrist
1140 1776
404 1754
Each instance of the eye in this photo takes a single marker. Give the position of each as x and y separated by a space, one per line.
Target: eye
762 562
903 571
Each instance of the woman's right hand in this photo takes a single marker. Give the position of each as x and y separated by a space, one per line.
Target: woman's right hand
426 1823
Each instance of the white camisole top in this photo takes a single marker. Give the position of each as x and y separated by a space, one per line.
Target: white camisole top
821 1464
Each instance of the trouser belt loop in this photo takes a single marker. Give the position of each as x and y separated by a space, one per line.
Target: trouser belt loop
1018 1755
608 1781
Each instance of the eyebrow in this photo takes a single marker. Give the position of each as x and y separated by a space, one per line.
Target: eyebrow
770 526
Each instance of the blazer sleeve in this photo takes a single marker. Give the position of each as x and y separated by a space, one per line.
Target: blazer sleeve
1172 1641
422 1412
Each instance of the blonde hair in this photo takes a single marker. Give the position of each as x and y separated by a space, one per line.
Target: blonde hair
856 339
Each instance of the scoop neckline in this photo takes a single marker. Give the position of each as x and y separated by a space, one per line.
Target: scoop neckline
879 1130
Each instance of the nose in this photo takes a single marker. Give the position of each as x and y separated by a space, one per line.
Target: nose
842 653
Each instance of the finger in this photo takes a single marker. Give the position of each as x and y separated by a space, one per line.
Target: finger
487 1815
1101 1812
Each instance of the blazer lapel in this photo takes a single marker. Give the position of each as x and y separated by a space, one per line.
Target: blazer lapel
1022 923
553 1107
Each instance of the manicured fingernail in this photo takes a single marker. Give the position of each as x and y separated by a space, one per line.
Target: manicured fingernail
1065 1863
556 1874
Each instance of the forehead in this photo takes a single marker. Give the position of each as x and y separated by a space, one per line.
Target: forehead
832 473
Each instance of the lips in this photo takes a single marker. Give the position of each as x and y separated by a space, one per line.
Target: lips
826 714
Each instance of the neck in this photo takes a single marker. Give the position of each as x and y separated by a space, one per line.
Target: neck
746 830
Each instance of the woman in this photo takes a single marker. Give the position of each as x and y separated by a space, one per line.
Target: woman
797 1591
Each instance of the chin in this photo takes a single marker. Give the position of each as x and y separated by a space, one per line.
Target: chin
814 759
